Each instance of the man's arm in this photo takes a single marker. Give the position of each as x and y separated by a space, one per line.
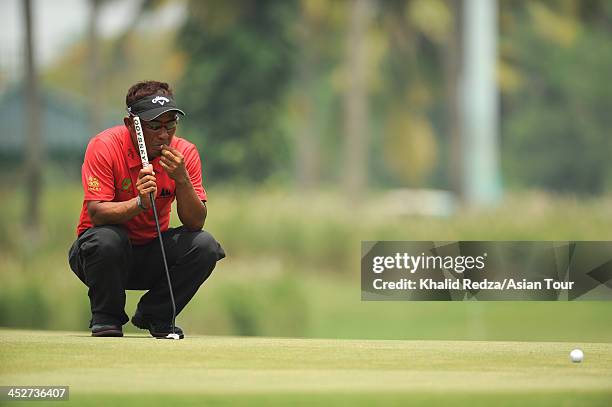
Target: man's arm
191 210
114 213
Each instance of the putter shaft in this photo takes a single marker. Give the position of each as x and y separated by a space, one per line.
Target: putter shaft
163 251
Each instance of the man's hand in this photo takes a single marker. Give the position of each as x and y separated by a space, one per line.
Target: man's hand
191 211
145 185
174 163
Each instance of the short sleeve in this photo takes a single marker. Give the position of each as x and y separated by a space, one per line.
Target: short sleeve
97 173
194 168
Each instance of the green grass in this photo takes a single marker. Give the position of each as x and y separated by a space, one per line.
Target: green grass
139 370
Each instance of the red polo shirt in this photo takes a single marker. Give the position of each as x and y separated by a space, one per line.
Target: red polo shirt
110 171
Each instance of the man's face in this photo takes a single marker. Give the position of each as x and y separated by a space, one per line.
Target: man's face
156 132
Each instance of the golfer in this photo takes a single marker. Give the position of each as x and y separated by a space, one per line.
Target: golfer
117 248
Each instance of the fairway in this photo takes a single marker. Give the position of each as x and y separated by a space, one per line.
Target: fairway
139 370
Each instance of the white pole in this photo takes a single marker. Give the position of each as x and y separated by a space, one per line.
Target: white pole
480 104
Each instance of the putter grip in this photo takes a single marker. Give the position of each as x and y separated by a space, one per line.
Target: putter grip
142 148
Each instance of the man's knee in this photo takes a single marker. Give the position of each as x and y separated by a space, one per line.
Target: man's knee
106 242
207 247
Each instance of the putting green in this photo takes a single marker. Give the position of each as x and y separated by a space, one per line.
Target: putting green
137 369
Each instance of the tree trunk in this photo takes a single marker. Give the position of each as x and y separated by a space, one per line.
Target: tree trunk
33 165
356 123
452 70
307 143
94 80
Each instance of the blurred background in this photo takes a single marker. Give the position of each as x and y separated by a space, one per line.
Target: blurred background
321 123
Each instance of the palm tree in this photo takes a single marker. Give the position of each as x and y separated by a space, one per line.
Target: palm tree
94 79
33 154
356 121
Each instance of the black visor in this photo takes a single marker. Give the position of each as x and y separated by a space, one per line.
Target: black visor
150 107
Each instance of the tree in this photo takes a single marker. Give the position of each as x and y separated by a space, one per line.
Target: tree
452 62
556 95
94 80
307 141
33 173
239 64
356 113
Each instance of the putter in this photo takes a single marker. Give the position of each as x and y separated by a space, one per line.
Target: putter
145 163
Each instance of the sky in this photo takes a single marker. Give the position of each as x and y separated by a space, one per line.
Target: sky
60 23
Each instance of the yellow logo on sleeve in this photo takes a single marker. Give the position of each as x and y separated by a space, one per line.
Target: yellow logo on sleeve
93 184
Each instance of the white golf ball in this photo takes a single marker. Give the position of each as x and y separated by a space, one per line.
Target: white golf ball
576 355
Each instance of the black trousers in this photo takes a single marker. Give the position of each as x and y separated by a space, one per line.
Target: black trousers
104 259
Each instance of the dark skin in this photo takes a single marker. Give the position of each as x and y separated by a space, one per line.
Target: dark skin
192 212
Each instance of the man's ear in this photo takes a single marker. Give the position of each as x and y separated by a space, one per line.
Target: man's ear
129 123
